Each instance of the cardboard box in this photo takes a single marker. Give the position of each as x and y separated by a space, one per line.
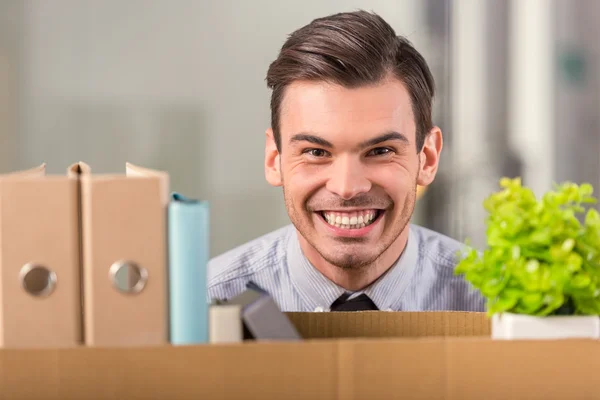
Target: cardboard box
370 355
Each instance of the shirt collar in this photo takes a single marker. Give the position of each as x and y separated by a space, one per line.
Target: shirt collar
318 291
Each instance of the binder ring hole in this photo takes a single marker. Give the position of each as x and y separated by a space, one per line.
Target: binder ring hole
37 280
128 277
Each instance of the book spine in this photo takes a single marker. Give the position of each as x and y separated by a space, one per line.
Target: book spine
188 258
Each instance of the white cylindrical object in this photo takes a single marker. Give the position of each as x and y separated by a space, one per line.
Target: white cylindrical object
225 324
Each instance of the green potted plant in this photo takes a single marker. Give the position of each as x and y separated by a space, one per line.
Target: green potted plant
540 270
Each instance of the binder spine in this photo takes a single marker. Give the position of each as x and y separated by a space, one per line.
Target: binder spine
188 238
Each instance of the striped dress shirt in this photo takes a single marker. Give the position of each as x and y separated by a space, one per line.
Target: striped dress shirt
421 280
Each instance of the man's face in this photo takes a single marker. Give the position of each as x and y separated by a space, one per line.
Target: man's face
349 167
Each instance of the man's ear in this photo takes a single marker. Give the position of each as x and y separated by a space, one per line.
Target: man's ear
430 157
272 164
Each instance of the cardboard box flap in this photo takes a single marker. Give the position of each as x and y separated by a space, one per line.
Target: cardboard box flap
391 369
513 369
390 324
248 371
455 368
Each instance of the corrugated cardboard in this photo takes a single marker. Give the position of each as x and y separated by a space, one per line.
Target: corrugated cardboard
415 366
390 324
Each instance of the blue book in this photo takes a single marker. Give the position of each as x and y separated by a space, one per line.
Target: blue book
188 231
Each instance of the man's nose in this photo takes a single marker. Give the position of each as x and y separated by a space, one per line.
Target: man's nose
347 178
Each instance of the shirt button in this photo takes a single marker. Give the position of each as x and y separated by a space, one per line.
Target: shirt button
388 309
319 309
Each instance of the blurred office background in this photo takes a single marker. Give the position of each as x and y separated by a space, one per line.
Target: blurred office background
179 85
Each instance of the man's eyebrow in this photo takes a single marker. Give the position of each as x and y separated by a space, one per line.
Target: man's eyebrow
384 138
314 139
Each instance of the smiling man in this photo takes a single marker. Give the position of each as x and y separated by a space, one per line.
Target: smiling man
351 139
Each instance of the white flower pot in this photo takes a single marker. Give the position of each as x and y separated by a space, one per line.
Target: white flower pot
516 326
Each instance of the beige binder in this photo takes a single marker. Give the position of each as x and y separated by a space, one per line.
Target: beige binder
124 257
39 260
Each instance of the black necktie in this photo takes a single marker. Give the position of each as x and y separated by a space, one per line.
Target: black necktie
358 303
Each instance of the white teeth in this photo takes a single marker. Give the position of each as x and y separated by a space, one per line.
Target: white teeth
354 220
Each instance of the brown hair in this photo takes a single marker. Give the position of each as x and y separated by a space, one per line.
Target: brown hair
352 49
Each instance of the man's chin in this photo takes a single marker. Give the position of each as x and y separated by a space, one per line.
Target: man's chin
350 240
349 256
350 262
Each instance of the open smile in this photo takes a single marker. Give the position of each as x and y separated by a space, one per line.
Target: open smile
351 223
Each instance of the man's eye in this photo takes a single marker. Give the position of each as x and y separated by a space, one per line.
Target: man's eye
318 153
380 151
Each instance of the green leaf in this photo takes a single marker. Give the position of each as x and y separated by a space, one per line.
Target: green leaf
553 302
586 189
580 281
508 299
592 218
493 286
587 306
573 262
530 302
568 245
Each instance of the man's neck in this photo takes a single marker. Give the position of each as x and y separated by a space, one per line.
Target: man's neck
359 278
